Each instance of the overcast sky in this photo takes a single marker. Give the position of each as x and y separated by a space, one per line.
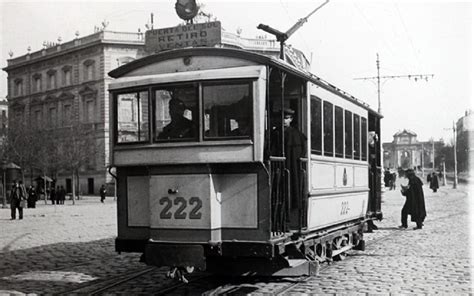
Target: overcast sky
342 40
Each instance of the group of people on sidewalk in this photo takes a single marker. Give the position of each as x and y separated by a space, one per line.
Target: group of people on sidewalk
20 197
58 195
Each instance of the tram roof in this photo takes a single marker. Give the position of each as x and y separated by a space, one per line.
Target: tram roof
236 53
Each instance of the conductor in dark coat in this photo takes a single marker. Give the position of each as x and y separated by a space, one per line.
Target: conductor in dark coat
295 148
415 201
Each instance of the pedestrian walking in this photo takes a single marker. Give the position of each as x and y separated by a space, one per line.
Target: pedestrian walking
17 199
62 194
393 181
52 195
415 201
434 184
102 192
32 197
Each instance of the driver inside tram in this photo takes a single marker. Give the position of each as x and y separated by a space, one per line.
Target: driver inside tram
180 127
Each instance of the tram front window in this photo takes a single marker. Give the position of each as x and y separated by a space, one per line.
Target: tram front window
176 114
132 117
227 111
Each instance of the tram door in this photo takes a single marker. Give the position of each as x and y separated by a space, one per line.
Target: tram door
286 155
375 167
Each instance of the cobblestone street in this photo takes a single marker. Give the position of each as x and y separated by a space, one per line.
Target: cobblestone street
58 248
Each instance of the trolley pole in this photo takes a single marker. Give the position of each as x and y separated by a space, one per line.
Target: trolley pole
416 77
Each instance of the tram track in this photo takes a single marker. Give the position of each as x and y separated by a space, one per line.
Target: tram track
207 284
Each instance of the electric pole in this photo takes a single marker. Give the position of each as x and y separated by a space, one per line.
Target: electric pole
416 77
455 158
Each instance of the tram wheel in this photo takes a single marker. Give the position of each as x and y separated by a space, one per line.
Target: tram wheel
339 243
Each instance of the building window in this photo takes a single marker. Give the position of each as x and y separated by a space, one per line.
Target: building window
89 110
89 70
37 117
18 87
51 82
52 116
37 82
67 114
67 75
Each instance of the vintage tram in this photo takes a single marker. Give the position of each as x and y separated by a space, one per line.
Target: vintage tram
207 177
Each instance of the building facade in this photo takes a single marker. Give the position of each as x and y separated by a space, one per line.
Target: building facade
405 152
465 141
3 119
67 83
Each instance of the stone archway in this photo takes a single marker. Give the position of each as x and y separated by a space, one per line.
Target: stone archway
405 160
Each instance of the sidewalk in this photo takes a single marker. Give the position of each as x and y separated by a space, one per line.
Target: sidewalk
87 220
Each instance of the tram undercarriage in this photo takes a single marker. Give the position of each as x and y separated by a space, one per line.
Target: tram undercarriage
280 257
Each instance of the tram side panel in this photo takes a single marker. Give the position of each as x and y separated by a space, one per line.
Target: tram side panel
338 193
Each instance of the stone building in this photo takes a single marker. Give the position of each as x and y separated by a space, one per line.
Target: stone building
405 151
3 119
465 141
66 83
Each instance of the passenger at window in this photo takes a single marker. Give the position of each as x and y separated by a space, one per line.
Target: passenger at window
179 127
243 129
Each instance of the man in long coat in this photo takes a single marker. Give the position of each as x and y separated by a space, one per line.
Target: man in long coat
434 184
415 201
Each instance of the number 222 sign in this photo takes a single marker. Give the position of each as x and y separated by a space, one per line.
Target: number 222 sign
180 208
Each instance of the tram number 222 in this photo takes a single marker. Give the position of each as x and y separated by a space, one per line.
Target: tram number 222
344 208
180 211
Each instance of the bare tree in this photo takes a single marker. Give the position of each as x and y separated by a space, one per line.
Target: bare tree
76 151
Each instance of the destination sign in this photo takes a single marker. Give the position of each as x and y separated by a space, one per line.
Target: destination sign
192 35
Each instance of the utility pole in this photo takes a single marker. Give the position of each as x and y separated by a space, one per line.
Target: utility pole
455 158
422 162
432 149
416 77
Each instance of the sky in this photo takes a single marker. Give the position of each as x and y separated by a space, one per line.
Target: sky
342 39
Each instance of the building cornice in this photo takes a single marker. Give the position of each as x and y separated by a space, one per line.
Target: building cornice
103 37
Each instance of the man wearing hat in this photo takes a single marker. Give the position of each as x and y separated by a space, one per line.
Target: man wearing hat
295 148
415 201
180 127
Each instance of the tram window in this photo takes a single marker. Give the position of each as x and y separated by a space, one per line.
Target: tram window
363 128
339 131
328 129
356 136
348 131
227 111
316 129
176 113
132 117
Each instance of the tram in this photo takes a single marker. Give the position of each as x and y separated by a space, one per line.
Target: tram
207 179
